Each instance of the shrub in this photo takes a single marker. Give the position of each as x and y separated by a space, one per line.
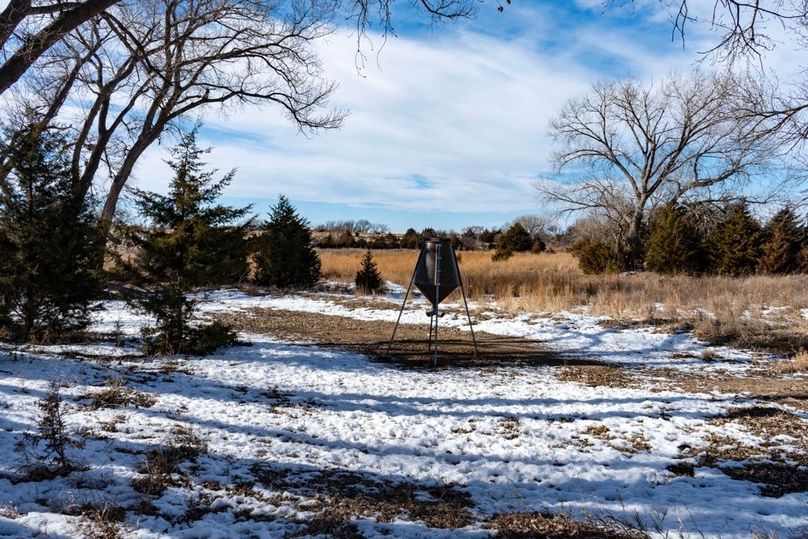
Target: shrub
51 246
735 244
53 434
515 239
501 254
595 256
286 258
411 239
368 279
674 245
538 246
190 242
784 240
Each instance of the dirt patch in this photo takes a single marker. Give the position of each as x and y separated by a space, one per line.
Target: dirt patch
598 375
555 526
778 462
770 387
340 496
411 345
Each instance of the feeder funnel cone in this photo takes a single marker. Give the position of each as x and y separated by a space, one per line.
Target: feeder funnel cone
437 274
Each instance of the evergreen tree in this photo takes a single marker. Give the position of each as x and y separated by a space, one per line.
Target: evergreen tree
674 245
410 239
188 242
515 239
368 280
286 257
785 239
735 243
51 247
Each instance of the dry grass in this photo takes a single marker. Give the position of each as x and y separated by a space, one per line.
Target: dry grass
797 364
549 525
342 495
117 395
163 467
724 309
101 521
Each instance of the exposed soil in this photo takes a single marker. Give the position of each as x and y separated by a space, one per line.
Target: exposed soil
411 348
411 344
772 387
779 462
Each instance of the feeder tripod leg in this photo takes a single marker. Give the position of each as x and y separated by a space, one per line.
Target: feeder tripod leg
403 303
468 315
429 347
435 351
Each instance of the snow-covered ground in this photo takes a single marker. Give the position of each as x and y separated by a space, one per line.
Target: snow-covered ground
513 438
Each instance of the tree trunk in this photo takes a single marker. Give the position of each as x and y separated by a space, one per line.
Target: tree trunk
120 179
633 256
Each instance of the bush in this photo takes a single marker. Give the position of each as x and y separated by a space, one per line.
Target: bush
190 242
501 254
54 435
595 256
785 240
515 239
735 245
538 246
286 258
52 249
674 245
368 280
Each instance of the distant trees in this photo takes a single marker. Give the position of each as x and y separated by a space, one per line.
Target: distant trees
189 241
636 147
699 238
285 254
50 245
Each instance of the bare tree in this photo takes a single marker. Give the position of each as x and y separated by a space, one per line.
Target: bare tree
630 147
747 31
538 225
44 23
139 69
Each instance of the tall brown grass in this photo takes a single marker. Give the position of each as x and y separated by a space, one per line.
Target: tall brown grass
552 282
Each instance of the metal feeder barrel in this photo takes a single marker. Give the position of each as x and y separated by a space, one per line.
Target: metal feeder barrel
433 269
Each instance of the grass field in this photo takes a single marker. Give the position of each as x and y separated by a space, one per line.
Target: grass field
757 311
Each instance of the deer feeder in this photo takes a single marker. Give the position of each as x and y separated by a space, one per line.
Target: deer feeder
436 275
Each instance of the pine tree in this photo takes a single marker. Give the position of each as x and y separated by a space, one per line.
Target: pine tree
735 244
410 239
674 245
286 257
515 239
50 242
368 280
785 238
188 242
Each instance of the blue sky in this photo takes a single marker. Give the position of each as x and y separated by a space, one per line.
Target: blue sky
448 122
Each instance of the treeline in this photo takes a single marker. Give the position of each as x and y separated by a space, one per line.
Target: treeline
701 239
57 263
515 238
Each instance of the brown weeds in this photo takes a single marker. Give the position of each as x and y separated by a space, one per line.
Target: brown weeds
117 395
724 310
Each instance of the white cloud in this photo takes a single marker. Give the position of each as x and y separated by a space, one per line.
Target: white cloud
466 112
